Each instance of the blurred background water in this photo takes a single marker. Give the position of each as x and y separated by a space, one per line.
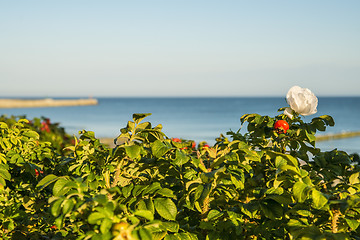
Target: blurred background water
199 119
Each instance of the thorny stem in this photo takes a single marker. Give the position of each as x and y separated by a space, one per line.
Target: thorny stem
334 220
117 173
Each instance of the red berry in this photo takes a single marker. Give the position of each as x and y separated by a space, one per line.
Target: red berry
45 127
281 126
37 173
176 140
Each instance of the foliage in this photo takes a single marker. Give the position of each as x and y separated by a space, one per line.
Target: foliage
263 184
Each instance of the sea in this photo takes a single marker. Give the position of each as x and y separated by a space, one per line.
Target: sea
198 119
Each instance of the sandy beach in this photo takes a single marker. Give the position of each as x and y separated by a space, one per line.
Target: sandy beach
47 102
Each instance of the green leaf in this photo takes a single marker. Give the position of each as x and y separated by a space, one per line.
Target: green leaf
272 209
319 124
158 235
130 126
185 236
352 223
237 183
166 192
300 191
207 177
133 151
158 148
152 188
319 199
311 138
126 191
170 226
105 226
138 117
165 208
46 181
5 174
172 237
144 234
213 215
145 214
328 120
181 158
282 199
354 178
3 158
95 217
56 207
68 205
251 156
58 188
31 134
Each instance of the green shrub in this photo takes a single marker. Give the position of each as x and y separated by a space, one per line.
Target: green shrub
265 184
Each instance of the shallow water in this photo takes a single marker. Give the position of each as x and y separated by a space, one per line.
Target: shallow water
199 119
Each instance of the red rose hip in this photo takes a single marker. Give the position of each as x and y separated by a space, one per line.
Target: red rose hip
281 126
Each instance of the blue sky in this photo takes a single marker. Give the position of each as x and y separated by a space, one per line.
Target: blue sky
178 48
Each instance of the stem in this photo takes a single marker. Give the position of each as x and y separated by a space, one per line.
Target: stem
205 207
117 173
334 220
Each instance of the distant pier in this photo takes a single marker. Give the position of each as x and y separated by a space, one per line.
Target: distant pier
47 102
332 136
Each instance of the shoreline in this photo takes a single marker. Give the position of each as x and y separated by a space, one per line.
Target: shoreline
321 138
333 136
46 102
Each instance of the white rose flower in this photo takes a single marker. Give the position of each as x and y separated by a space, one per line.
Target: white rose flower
302 101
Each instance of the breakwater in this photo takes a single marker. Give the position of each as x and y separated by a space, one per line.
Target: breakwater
341 135
47 102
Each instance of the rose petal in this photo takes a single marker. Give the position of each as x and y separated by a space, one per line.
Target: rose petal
302 100
288 112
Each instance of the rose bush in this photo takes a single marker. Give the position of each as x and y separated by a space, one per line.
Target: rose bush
264 184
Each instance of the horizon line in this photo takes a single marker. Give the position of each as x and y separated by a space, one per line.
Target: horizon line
165 96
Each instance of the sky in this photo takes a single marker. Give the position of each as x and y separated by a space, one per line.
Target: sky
162 48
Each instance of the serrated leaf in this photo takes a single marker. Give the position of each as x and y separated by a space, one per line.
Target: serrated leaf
170 226
46 181
172 237
272 209
166 192
95 217
300 191
5 174
67 206
145 214
144 234
59 186
354 178
319 199
180 158
158 148
105 225
56 207
138 117
214 214
328 120
352 223
165 208
31 134
133 151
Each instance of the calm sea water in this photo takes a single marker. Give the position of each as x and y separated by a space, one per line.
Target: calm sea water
199 119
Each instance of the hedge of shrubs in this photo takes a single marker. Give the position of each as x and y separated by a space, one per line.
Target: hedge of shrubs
269 183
